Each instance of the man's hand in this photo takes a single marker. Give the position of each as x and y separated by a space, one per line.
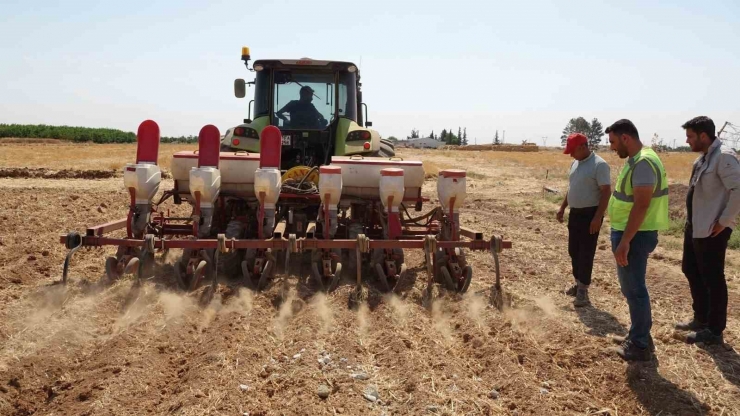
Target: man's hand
560 215
621 254
595 225
717 229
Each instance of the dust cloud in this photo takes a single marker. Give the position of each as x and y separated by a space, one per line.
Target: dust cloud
363 316
440 319
474 307
400 309
284 314
323 311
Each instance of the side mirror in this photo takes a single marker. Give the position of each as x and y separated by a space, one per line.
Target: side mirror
240 88
368 124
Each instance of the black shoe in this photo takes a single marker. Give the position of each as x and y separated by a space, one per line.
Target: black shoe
620 339
582 298
631 352
692 325
571 291
706 336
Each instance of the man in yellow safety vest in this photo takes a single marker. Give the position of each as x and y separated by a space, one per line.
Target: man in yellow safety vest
638 209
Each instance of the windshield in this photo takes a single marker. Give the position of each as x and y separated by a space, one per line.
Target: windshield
303 100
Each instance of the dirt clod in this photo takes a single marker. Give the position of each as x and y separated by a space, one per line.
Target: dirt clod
324 391
14 383
494 394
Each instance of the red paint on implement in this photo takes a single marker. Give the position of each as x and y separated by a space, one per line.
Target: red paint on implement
391 172
271 143
452 173
372 162
331 170
147 142
209 145
184 154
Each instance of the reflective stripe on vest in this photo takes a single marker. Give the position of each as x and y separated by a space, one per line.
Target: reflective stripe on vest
622 199
619 193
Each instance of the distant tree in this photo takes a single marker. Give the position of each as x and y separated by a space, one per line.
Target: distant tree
392 138
452 139
575 125
443 136
414 134
657 144
431 135
459 133
464 139
595 134
496 139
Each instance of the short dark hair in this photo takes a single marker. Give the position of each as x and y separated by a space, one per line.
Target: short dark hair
623 126
701 124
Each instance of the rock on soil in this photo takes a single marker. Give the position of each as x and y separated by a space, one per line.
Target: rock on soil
323 391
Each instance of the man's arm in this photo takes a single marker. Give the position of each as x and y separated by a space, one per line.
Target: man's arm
563 206
729 173
286 109
643 195
603 179
318 113
606 193
644 180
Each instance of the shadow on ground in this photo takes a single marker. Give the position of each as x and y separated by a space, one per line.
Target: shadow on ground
659 396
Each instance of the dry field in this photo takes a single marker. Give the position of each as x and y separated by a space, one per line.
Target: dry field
92 350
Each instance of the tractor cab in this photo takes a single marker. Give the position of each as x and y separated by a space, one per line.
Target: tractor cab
317 106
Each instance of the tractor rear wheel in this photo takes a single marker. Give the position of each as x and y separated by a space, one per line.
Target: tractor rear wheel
387 149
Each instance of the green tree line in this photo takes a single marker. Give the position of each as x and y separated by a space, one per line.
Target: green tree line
79 134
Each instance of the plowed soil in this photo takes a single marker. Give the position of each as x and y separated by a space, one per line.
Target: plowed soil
93 349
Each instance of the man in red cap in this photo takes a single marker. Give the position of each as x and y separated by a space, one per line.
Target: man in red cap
588 197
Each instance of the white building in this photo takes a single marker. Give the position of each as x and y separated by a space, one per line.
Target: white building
422 143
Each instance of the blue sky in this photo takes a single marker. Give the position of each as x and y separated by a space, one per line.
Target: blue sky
523 67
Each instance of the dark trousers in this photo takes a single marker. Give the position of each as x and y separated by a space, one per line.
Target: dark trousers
704 266
581 243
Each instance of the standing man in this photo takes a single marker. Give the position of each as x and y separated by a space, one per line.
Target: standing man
638 209
588 196
712 204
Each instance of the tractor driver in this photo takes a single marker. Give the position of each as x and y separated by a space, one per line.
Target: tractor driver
303 114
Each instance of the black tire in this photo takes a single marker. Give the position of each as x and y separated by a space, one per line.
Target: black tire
388 142
378 258
386 150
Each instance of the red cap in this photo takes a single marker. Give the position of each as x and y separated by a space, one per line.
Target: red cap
270 147
330 170
452 173
574 140
147 142
391 172
209 146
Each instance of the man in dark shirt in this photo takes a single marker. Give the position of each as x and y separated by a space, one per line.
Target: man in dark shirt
303 114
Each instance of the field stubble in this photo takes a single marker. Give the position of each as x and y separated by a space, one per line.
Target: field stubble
70 350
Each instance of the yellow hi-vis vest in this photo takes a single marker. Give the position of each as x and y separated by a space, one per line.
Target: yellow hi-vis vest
622 199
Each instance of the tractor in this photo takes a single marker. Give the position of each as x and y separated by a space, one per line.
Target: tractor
305 175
